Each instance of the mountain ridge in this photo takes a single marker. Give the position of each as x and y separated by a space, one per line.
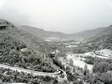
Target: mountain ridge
84 35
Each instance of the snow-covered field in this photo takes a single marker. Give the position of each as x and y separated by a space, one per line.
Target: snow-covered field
78 61
78 58
71 46
104 54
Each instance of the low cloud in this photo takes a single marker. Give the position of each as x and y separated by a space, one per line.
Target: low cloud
67 16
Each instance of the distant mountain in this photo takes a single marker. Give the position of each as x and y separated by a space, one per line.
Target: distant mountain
46 35
50 35
84 35
104 41
96 37
101 40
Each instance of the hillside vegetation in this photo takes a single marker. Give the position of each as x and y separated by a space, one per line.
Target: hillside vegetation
22 49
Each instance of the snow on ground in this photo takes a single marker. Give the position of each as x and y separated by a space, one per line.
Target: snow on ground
104 54
34 73
78 58
54 39
71 46
78 61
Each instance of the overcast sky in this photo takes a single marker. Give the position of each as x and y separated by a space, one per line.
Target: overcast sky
67 16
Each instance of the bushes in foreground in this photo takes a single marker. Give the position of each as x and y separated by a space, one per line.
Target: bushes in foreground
7 75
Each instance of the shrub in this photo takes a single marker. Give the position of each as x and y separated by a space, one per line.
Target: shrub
101 67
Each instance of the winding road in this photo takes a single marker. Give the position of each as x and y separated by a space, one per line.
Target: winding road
57 74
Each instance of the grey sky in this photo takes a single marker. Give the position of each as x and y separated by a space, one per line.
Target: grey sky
67 16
